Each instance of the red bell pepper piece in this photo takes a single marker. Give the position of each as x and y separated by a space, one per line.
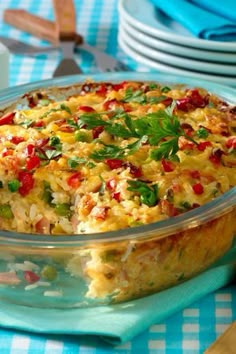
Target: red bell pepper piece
27 182
114 163
74 180
32 162
7 118
198 188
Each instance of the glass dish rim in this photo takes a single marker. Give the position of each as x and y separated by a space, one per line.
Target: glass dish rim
207 212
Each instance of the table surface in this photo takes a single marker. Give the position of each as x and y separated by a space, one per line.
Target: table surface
189 331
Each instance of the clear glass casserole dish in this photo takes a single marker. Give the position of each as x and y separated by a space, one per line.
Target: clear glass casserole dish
107 267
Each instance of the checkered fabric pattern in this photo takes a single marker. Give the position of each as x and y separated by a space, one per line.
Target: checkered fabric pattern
190 331
97 21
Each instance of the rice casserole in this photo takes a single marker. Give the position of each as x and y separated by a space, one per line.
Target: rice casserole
112 156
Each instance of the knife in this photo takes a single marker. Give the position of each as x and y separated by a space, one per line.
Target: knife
66 32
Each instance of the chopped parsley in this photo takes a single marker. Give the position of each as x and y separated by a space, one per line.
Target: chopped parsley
135 96
165 89
148 194
75 161
26 123
139 96
152 128
47 193
152 86
166 150
49 154
91 120
110 151
62 107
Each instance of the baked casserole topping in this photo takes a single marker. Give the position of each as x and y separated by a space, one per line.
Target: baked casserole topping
113 156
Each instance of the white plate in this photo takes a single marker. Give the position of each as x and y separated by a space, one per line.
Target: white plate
181 62
146 17
161 67
172 48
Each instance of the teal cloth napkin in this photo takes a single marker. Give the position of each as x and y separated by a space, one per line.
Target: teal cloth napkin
199 21
226 8
121 322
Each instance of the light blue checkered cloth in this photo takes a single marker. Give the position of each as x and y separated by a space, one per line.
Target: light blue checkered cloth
189 331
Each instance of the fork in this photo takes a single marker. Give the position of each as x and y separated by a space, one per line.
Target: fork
45 29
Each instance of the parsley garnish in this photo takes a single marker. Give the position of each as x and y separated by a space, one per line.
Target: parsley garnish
135 96
49 154
152 128
166 150
156 99
108 152
91 120
47 193
103 186
165 89
148 194
120 130
75 161
153 86
115 152
62 107
139 96
26 123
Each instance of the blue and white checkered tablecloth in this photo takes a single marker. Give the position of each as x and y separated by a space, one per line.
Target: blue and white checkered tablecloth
189 331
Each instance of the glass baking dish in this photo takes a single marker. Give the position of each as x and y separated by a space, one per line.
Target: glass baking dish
104 268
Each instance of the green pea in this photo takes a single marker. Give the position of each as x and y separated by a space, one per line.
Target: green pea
6 212
63 209
49 272
44 102
82 136
54 140
202 133
13 185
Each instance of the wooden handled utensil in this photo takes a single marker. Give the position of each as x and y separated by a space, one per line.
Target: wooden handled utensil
35 25
66 33
45 29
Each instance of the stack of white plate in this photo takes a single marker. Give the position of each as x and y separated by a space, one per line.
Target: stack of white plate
153 39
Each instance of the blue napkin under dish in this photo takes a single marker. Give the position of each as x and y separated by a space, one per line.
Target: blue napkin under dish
121 322
200 22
